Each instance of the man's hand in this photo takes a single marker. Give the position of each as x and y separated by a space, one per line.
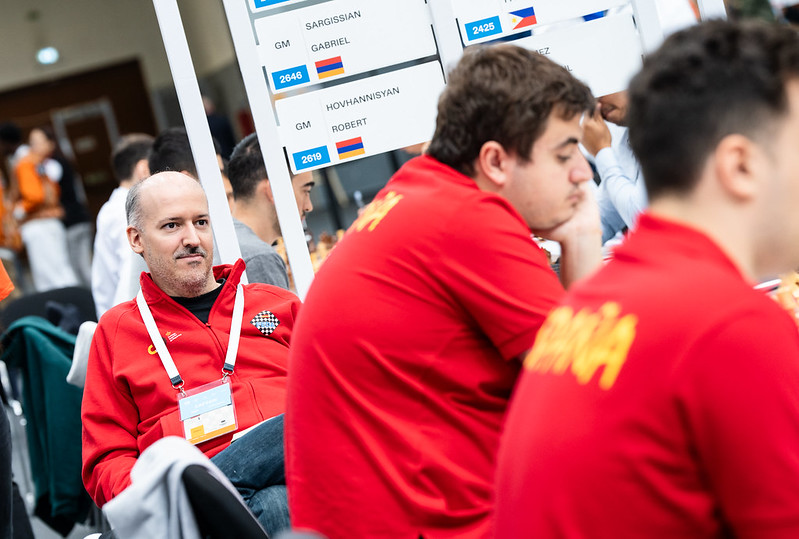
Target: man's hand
580 238
596 134
585 220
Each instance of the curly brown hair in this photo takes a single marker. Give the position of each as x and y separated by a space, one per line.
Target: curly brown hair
506 94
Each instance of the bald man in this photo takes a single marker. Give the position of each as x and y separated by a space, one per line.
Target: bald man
158 360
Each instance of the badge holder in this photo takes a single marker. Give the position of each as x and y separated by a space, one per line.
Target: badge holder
207 412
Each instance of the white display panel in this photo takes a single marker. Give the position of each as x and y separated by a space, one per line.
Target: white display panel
328 41
604 53
486 20
360 118
257 6
380 46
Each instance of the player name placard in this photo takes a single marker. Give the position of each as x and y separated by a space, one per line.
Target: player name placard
360 118
257 6
346 37
485 20
604 53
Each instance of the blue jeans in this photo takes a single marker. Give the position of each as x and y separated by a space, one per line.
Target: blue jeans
254 464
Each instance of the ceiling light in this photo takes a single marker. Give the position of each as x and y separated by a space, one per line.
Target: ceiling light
47 55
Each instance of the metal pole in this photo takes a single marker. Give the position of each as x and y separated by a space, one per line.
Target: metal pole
202 145
448 37
648 22
271 148
712 9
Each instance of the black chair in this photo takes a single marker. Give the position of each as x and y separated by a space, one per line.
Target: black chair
37 305
74 299
220 514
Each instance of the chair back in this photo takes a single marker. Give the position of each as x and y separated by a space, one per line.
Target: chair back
36 305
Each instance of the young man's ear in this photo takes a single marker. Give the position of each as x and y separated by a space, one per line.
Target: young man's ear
264 188
134 239
737 161
493 164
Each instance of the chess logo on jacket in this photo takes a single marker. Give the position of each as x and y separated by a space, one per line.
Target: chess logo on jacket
266 322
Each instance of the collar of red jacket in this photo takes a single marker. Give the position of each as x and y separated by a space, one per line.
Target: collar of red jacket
231 274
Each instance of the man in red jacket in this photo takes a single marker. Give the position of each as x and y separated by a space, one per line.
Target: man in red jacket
660 398
410 339
196 354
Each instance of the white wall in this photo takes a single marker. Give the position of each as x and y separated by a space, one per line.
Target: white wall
93 33
208 34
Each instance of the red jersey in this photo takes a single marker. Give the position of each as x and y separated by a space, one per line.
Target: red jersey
404 357
661 400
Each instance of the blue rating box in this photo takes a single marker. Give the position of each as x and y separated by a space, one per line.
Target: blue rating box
311 158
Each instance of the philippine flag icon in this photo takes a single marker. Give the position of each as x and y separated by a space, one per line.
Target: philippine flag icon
523 18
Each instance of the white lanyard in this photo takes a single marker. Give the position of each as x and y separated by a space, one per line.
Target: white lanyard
163 353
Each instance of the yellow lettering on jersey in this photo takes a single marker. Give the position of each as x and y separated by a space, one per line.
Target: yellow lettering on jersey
584 342
376 211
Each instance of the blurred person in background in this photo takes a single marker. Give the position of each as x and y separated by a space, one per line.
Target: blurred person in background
220 127
76 215
255 216
39 212
622 194
172 151
750 9
111 248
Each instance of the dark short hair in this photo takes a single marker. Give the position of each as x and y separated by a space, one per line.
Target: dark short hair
246 167
128 151
171 151
10 133
705 83
502 93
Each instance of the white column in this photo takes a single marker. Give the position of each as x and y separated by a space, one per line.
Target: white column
712 9
271 148
202 145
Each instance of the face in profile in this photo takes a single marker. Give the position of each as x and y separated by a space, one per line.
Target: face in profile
779 193
546 189
302 184
614 107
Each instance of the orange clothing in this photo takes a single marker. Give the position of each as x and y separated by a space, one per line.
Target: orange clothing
38 193
3 231
6 286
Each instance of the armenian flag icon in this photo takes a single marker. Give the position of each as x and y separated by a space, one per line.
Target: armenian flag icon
523 18
350 148
330 67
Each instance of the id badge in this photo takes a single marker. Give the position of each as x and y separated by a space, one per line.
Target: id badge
207 412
